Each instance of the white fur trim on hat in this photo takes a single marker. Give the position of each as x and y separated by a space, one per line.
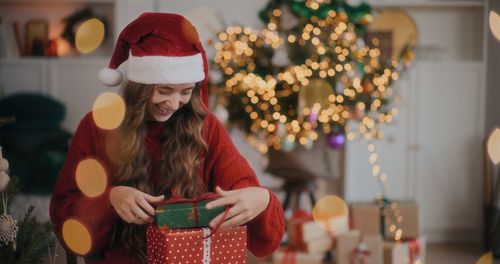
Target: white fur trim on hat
165 69
110 77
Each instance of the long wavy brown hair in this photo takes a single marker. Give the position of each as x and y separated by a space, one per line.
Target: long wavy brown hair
182 148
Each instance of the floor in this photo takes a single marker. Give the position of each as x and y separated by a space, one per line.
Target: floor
436 254
440 254
454 254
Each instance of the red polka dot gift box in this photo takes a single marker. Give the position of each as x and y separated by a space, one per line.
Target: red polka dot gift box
196 245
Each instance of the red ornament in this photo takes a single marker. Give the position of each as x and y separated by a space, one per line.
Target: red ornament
367 87
51 50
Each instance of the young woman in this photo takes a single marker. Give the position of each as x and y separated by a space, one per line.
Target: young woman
168 144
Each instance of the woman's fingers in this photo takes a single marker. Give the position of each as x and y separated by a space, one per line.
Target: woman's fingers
140 214
145 206
153 199
221 192
126 215
132 205
235 221
232 212
132 217
226 200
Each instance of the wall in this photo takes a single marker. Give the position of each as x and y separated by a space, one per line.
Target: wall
493 76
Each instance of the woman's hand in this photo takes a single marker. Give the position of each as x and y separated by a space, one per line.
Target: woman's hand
132 205
245 203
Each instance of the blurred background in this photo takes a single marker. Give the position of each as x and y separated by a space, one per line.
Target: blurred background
389 108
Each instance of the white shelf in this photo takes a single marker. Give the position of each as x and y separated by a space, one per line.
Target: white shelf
426 3
56 59
60 1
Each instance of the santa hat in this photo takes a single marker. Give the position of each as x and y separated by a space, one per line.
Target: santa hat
161 49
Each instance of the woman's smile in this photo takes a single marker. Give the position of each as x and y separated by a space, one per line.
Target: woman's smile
163 111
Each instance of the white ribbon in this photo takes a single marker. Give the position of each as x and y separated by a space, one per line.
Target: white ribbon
206 245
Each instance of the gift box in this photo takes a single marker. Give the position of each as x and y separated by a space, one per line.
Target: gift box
367 218
186 213
317 245
353 247
289 256
396 253
196 245
411 221
311 236
417 250
410 251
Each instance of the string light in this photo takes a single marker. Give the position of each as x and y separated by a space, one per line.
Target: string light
362 82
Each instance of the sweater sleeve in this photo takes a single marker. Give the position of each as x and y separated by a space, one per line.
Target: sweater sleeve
88 216
230 170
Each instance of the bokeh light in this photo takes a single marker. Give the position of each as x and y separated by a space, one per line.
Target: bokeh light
89 35
108 110
485 259
63 47
91 177
493 146
76 236
495 24
328 208
317 92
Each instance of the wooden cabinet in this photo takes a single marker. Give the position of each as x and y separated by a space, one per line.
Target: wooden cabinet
432 153
449 124
72 81
28 75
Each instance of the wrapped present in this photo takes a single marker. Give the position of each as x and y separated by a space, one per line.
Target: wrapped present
396 253
186 213
312 236
407 252
197 245
289 256
367 218
355 248
318 245
411 221
416 250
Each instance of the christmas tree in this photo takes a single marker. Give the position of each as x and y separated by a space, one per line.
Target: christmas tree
27 241
310 71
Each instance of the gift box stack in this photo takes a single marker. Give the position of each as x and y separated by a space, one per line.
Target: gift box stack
371 240
309 240
180 235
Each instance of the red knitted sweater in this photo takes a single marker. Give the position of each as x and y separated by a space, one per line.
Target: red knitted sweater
223 166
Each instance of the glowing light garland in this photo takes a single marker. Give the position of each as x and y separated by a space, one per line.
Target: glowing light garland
323 50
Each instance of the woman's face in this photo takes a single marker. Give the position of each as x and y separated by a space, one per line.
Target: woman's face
166 99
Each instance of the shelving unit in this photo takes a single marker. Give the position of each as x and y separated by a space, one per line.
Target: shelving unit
54 12
59 1
72 79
